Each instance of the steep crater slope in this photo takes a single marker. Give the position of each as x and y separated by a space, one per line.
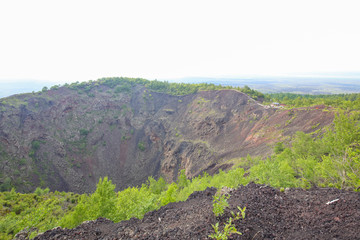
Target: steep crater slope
67 139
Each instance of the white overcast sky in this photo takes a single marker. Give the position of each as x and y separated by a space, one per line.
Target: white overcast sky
79 40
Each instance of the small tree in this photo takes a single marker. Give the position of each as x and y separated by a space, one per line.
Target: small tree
182 180
102 203
104 198
279 147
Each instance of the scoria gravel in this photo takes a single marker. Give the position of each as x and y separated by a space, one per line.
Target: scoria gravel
318 213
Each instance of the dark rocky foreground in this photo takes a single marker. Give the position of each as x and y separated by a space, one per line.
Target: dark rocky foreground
270 214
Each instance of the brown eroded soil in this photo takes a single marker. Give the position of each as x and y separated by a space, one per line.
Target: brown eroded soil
66 141
270 214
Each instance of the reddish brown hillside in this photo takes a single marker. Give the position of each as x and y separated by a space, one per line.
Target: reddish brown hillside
67 139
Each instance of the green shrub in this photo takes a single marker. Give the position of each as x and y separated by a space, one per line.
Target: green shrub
84 132
123 88
102 203
229 229
279 147
35 145
219 204
39 192
156 187
141 146
182 181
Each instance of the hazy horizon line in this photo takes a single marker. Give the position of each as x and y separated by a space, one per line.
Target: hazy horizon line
332 75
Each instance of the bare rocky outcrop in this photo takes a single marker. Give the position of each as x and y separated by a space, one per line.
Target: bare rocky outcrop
67 140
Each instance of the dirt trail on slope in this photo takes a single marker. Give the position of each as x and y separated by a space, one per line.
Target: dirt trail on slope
270 214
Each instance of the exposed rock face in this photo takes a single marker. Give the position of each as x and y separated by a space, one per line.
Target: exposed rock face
67 140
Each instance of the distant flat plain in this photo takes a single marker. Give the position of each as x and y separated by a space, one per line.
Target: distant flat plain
299 85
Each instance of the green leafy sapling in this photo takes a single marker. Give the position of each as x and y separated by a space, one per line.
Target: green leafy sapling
237 216
219 204
229 229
